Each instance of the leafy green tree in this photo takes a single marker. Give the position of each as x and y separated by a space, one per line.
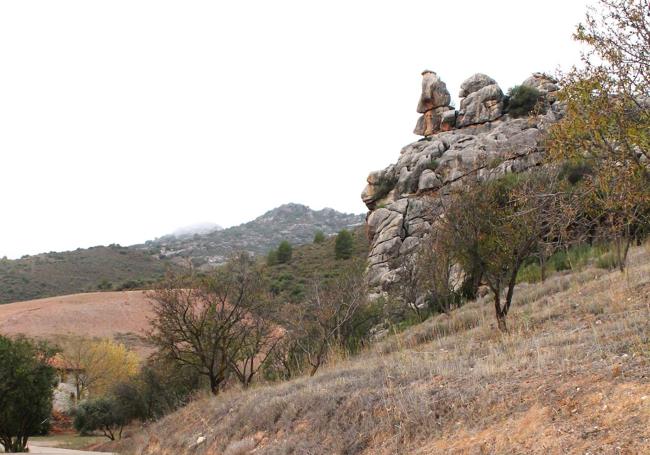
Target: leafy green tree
104 414
607 121
319 237
498 225
27 381
284 252
344 246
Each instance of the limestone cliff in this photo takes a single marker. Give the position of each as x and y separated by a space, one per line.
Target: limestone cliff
480 140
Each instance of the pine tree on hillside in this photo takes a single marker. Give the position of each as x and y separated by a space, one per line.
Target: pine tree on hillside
344 245
284 252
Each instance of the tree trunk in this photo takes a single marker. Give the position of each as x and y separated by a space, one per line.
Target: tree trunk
214 385
626 249
17 445
501 317
315 366
501 323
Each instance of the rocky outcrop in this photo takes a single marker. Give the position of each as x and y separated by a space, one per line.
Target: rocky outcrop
405 198
437 114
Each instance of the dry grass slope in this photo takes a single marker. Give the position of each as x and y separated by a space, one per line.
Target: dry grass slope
570 377
123 316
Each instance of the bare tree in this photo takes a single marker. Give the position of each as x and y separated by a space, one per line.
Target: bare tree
205 322
320 322
259 341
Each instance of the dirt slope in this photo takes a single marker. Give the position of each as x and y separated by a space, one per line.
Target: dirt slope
571 376
119 315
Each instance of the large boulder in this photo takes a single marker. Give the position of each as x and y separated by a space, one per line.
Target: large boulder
475 83
482 101
544 84
406 200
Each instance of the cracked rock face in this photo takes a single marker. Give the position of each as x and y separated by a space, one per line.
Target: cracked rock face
404 199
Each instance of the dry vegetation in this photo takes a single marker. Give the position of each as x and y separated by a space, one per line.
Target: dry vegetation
571 376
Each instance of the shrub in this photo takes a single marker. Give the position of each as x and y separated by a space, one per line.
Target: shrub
344 245
575 172
522 99
531 273
384 186
433 164
103 414
105 285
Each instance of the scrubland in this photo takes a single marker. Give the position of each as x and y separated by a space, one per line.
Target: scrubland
570 376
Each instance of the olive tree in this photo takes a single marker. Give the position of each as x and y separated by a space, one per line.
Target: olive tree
27 382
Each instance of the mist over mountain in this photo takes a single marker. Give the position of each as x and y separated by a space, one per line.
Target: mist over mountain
196 228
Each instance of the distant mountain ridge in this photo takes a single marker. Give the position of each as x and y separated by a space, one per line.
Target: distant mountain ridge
295 223
116 267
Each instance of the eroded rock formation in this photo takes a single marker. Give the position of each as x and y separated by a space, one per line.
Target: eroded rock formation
478 141
437 114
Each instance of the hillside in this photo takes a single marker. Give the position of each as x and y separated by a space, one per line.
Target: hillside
82 270
310 261
123 316
292 222
569 377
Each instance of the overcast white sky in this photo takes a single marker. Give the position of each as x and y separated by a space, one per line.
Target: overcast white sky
123 120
